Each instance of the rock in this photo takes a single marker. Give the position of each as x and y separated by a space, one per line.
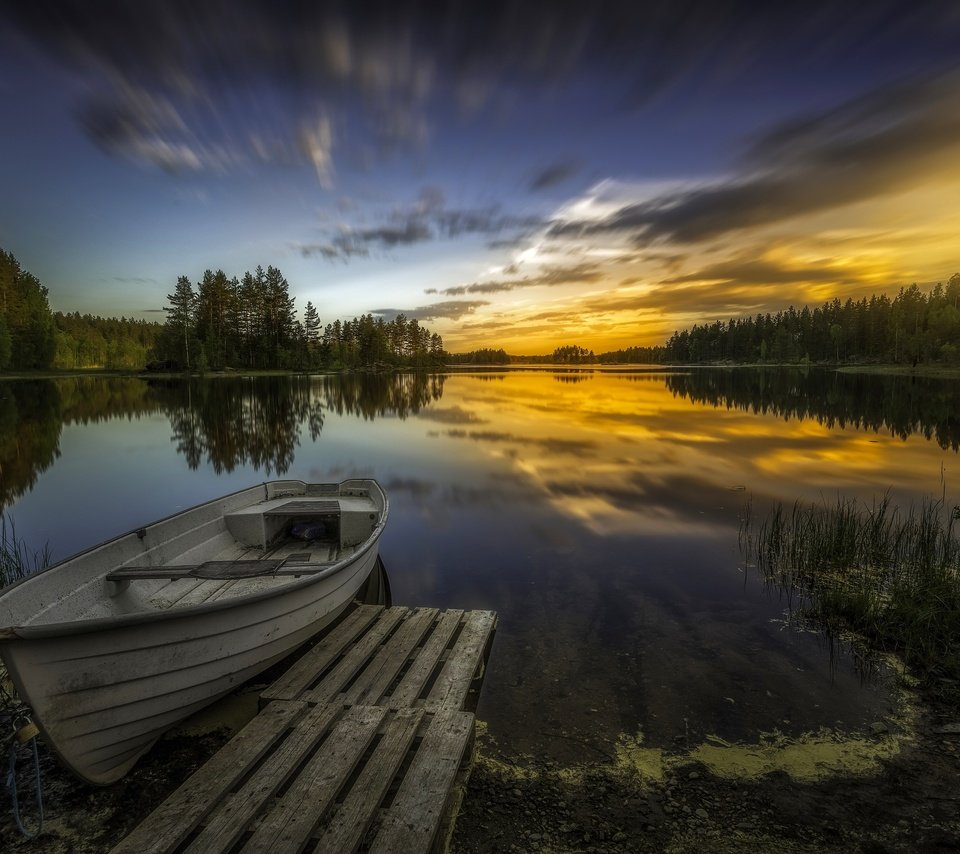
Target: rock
949 729
879 727
693 775
702 813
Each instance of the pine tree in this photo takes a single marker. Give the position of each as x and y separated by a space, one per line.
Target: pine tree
180 317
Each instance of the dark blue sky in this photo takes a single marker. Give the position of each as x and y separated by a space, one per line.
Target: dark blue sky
515 173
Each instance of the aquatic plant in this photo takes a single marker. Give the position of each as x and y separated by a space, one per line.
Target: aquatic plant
16 560
890 575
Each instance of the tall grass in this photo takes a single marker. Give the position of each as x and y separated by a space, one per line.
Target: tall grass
16 560
890 575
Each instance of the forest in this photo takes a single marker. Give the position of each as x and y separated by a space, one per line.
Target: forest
26 324
912 328
250 323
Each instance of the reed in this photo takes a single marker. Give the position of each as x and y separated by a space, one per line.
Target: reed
16 560
890 575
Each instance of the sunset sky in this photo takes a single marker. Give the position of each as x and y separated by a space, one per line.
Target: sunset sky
515 174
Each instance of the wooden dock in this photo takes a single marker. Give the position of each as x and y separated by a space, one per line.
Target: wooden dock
364 743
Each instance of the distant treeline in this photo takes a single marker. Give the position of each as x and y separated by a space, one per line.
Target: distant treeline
83 341
250 323
912 328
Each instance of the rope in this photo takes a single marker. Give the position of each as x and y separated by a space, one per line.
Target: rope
18 715
12 786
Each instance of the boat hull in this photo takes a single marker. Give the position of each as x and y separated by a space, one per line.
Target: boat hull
103 691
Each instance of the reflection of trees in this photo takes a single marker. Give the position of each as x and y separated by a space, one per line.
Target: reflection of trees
239 421
375 395
900 405
226 421
572 378
29 435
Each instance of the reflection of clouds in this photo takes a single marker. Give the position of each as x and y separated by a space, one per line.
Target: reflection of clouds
559 446
449 415
633 457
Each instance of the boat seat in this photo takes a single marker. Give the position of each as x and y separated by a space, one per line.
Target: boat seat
221 570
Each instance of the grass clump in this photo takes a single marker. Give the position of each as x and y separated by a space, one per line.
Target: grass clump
16 560
891 576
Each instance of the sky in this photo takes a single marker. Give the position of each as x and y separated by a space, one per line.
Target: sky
512 174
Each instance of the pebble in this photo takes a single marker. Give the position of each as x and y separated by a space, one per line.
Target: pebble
702 813
694 775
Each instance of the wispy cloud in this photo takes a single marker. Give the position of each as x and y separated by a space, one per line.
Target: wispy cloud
450 310
426 219
549 277
887 141
556 173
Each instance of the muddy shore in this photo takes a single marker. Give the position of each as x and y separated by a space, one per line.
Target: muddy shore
903 797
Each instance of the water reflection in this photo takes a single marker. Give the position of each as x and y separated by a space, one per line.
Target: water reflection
598 518
29 435
900 405
224 422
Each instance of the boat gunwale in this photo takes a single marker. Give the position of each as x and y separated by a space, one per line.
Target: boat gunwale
13 634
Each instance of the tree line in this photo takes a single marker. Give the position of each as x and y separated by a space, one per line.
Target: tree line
26 323
912 328
250 322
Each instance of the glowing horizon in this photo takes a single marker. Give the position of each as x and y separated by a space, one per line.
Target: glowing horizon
518 178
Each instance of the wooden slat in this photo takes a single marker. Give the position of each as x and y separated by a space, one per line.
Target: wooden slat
388 662
333 683
453 684
308 667
170 823
416 677
289 825
132 573
356 813
415 815
230 821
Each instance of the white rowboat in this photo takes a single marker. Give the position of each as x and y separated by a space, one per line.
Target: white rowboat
115 645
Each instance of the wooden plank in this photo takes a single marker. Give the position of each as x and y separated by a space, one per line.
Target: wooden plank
333 683
416 677
132 573
453 684
310 665
352 818
414 817
229 822
388 662
170 823
289 825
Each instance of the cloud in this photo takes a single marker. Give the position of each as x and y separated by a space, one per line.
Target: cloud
887 141
316 143
451 310
549 277
554 174
753 269
426 219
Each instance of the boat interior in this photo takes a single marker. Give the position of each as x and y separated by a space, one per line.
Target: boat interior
247 543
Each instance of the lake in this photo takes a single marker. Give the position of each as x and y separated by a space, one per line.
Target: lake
596 511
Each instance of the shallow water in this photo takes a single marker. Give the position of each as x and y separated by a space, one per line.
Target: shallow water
596 512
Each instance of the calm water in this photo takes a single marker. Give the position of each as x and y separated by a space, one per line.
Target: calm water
596 512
